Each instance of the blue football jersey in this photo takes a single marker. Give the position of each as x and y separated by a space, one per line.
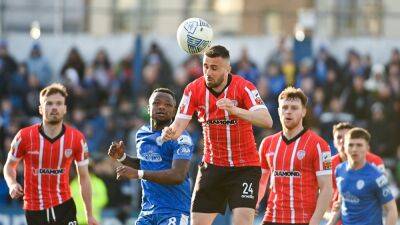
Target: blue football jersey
363 193
154 154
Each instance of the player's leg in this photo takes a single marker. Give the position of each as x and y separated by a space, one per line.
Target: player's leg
64 214
35 217
243 216
244 193
173 219
209 196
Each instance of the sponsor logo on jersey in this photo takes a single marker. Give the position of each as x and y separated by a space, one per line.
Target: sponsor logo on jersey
285 173
326 161
150 157
348 197
221 122
184 150
184 140
257 97
300 154
381 181
48 171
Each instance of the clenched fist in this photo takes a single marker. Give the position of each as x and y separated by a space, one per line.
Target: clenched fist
116 150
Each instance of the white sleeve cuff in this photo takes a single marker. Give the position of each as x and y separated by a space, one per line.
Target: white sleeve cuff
256 107
183 116
82 163
324 172
12 157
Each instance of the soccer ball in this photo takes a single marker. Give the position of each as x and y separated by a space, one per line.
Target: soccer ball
194 35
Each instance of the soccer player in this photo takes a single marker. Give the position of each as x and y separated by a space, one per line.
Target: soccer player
298 162
162 166
48 150
226 105
363 188
339 131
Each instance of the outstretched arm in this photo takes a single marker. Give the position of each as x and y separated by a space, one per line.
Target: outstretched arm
176 129
175 175
259 117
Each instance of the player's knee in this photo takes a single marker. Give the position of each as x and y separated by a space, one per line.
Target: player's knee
202 218
243 216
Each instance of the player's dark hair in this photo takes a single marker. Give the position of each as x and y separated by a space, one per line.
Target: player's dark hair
217 51
54 88
165 90
293 93
357 132
342 126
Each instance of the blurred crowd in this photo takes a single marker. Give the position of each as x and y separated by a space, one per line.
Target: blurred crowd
108 101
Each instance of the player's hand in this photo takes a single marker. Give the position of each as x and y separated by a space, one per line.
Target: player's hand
116 150
227 104
16 191
168 133
127 173
336 206
92 221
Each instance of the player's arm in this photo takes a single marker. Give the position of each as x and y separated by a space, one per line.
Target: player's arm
335 215
10 175
324 197
391 212
265 172
176 129
86 192
117 152
258 117
175 175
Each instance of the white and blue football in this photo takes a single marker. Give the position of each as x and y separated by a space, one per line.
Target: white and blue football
194 35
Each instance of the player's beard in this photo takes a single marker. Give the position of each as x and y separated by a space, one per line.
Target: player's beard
216 83
54 121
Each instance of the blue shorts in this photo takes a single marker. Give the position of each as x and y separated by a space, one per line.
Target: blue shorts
163 219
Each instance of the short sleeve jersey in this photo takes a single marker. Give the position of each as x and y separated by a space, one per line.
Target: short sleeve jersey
47 164
294 166
228 140
363 193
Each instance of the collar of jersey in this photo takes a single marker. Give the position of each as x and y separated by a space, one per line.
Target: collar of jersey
216 94
288 141
52 140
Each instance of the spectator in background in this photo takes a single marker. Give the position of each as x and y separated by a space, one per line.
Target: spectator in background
158 68
394 59
73 66
99 190
288 68
332 86
38 66
376 79
323 63
246 68
378 126
102 71
305 71
357 102
276 80
394 79
19 88
8 66
352 67
278 53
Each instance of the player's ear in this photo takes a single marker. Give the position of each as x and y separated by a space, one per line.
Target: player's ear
148 109
304 112
40 109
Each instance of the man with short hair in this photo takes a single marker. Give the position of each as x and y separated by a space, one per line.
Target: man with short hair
339 132
363 188
162 166
48 150
227 106
298 163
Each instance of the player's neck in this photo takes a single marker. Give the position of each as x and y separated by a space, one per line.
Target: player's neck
222 86
342 156
291 133
356 165
158 125
52 130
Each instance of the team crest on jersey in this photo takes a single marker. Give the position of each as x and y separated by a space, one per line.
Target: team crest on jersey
360 184
257 97
326 161
68 152
300 154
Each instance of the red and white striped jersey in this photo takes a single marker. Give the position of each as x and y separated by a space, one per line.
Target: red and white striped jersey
47 164
294 166
228 140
